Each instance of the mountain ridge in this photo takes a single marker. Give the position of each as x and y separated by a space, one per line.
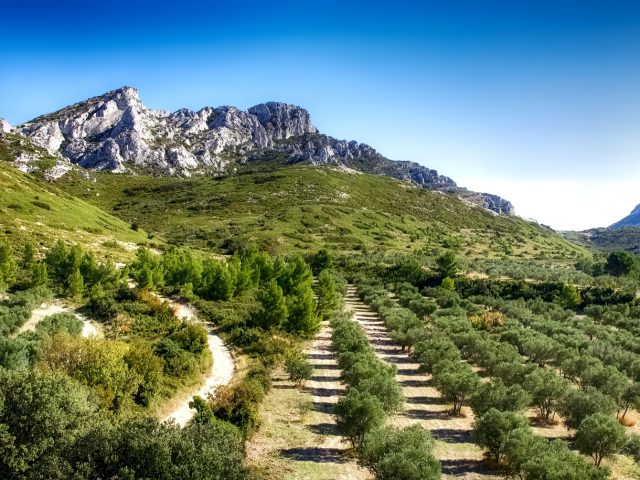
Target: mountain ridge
631 220
115 132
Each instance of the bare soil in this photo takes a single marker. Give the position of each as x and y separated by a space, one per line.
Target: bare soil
220 374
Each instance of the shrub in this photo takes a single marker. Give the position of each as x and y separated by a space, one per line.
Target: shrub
392 453
298 368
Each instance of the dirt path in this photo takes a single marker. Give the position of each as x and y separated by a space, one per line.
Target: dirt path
89 327
221 372
459 456
298 438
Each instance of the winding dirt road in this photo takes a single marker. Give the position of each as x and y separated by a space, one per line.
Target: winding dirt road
221 372
89 327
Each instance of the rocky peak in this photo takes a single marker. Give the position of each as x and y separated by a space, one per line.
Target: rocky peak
635 211
5 127
115 131
631 220
282 120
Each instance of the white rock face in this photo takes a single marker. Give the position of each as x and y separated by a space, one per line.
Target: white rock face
115 131
5 127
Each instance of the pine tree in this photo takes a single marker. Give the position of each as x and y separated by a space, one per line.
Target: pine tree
273 312
28 257
302 315
329 299
75 286
38 275
7 266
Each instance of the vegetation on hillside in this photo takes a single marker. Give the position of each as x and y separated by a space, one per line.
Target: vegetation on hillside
302 208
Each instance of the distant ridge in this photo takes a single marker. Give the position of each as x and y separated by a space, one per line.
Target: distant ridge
631 220
116 132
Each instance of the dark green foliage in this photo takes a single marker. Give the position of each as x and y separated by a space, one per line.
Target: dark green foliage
7 266
492 430
358 413
323 260
529 457
456 381
329 296
143 448
500 397
447 265
217 282
577 405
632 448
16 309
273 310
298 368
59 323
600 436
547 390
399 454
41 418
434 349
620 263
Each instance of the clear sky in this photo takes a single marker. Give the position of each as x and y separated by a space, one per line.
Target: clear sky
537 101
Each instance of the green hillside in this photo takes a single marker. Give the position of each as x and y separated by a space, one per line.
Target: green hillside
303 207
608 239
35 210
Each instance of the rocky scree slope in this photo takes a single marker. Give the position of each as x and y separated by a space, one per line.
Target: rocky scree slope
116 132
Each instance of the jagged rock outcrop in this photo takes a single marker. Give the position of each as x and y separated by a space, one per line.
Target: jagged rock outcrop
115 132
5 126
631 220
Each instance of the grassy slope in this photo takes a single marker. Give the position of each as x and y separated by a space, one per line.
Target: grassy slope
303 207
609 239
35 210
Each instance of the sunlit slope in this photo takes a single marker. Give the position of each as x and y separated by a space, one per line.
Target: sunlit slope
36 210
305 207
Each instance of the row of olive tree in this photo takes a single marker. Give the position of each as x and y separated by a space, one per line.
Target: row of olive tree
497 404
372 394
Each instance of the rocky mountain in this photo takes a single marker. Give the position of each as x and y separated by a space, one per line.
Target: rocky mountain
631 220
116 132
4 126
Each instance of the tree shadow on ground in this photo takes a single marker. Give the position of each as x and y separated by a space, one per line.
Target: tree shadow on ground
424 401
451 435
315 454
458 468
323 392
324 429
323 407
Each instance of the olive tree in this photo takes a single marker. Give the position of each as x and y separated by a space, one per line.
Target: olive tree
600 436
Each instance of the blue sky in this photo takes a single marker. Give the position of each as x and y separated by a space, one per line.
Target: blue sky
537 101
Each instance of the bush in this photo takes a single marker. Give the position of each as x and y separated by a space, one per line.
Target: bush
358 413
600 436
456 381
494 427
392 453
298 368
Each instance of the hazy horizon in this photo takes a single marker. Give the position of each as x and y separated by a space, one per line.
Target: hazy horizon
536 102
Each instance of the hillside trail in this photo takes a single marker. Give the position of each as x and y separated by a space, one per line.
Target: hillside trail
90 328
460 458
299 438
221 372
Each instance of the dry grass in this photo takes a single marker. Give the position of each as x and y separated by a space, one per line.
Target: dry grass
298 438
628 421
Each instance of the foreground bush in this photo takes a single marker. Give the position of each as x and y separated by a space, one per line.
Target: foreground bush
393 454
